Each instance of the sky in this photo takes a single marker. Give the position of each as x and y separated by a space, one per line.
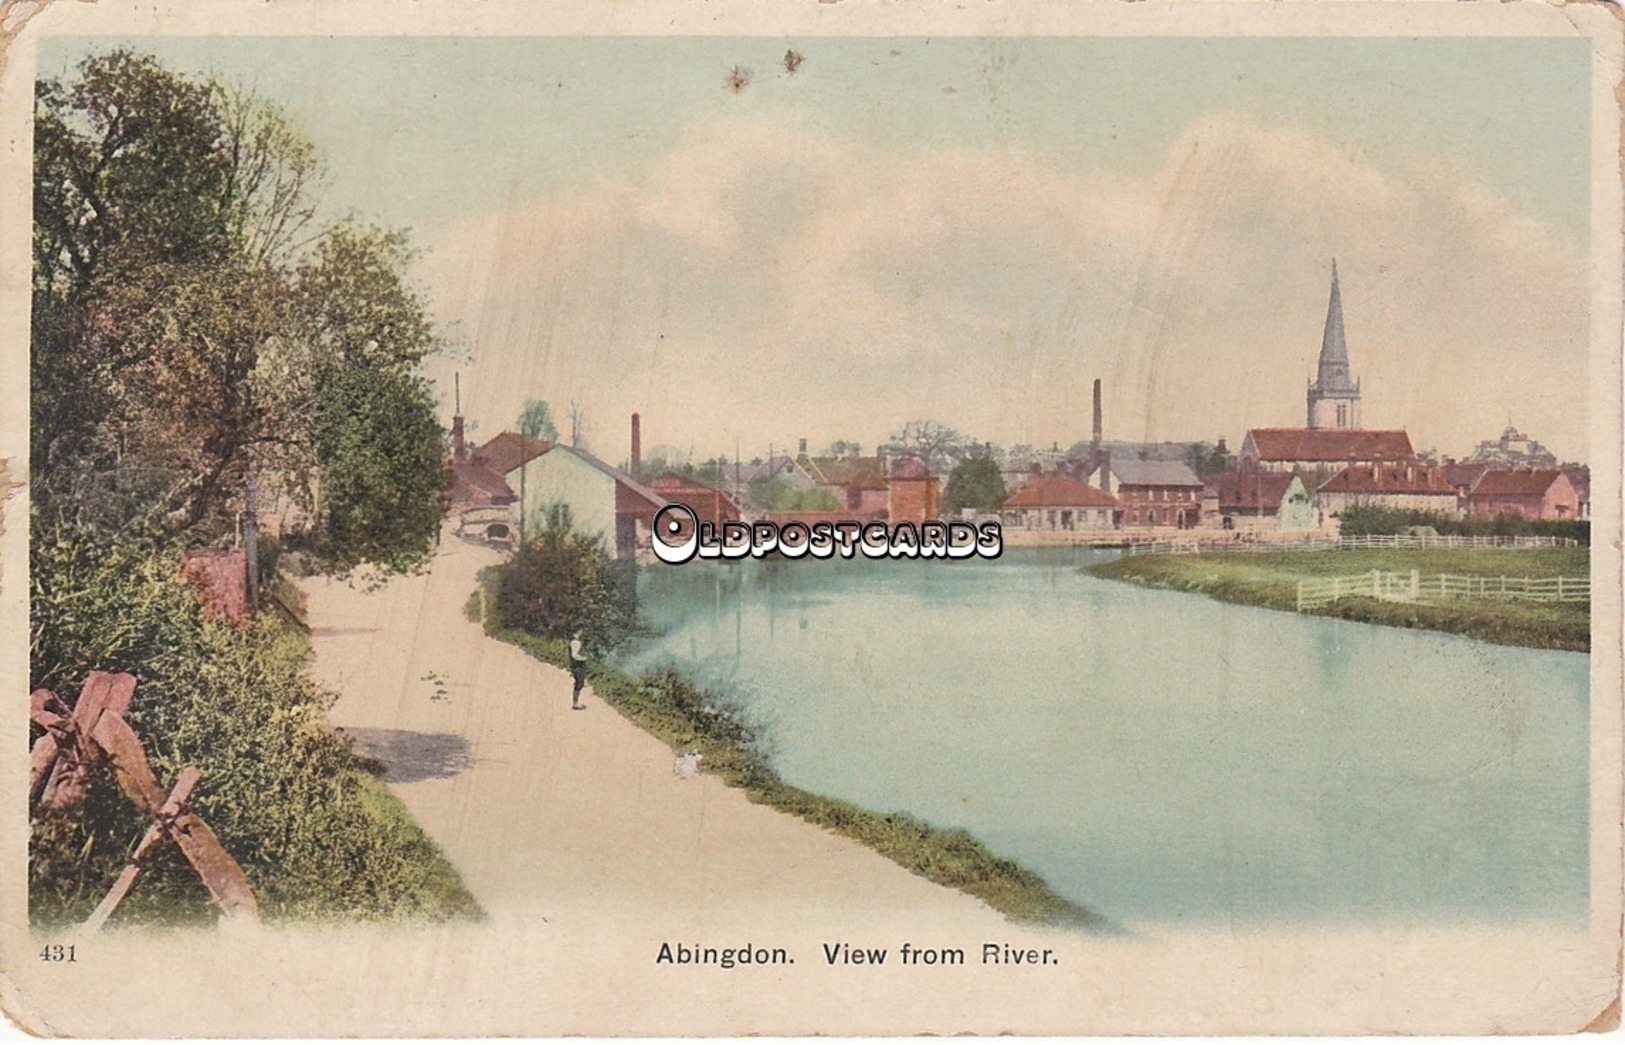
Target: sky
964 229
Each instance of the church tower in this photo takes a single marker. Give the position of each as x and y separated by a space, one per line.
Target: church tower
1334 397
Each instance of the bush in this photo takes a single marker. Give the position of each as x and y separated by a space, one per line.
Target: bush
1364 520
315 835
560 582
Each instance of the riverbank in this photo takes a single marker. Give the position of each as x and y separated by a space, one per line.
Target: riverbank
688 719
1270 580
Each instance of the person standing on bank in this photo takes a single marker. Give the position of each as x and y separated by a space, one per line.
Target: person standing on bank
578 671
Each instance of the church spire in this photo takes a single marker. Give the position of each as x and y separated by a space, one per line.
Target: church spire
1334 348
1334 397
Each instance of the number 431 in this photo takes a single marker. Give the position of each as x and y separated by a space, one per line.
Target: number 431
56 952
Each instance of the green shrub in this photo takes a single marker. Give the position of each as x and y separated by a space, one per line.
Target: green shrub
560 582
313 832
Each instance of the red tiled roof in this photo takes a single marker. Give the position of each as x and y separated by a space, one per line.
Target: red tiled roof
1331 444
1057 491
1249 489
1389 479
1516 483
507 451
676 488
1463 473
473 485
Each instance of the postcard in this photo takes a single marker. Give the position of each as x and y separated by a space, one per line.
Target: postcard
824 518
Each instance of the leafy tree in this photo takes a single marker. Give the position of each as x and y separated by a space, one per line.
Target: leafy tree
976 482
536 421
187 332
382 464
936 445
842 448
562 581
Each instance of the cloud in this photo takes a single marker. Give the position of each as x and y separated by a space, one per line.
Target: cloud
765 279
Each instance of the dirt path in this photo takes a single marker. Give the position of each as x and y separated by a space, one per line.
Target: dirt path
569 815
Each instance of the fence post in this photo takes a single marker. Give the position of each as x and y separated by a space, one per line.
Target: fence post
1416 585
1376 584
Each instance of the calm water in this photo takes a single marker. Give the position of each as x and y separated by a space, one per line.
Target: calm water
1157 757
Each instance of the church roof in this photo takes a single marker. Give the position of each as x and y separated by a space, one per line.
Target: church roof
1330 444
1388 479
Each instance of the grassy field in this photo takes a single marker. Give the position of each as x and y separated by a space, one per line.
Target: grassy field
1270 579
689 719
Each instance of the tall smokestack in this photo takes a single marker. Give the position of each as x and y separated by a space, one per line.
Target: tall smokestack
459 450
1098 433
637 445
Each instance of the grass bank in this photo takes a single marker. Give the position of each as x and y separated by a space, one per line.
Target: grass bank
687 718
1270 579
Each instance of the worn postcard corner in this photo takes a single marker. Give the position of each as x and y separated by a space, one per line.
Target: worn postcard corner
810 519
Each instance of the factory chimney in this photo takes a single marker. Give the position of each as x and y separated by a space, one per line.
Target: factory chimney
637 446
459 451
1096 444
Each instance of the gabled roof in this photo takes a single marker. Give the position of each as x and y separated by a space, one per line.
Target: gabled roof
473 485
675 487
1248 490
1517 482
1154 473
614 473
1057 491
909 468
865 473
743 474
1463 473
1330 444
1389 479
506 451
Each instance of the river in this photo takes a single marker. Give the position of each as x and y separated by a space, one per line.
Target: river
1157 757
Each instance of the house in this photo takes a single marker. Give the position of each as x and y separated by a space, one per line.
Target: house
505 452
1462 475
601 500
1056 502
858 483
479 497
1407 487
1155 493
1258 500
913 494
1527 493
1328 450
709 504
738 478
1580 478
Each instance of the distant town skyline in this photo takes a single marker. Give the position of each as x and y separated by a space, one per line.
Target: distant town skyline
966 230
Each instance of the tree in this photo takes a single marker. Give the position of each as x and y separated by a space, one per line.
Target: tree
562 581
975 482
936 445
842 448
187 333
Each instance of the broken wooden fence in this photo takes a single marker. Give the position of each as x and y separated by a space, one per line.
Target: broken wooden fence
76 742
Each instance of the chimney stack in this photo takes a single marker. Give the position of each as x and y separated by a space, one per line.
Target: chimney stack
637 445
802 443
1096 445
459 450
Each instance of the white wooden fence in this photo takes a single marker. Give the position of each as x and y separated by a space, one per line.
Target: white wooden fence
1215 543
1413 587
